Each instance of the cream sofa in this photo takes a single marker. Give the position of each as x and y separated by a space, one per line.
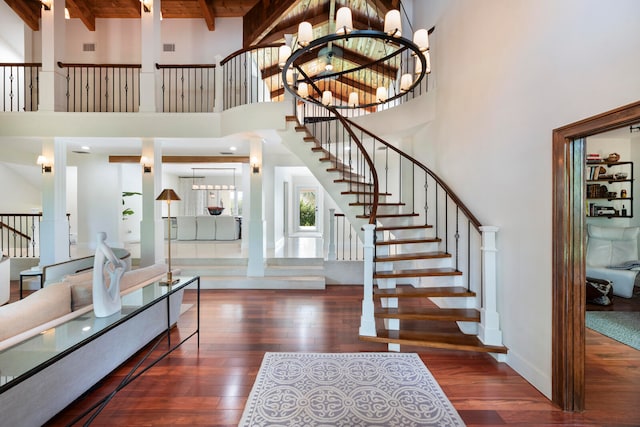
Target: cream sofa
62 301
208 227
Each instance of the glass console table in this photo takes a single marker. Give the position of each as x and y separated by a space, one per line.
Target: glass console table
88 343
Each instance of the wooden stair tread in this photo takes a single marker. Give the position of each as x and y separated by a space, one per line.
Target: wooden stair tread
379 204
409 291
365 193
412 256
426 313
400 215
403 227
418 272
352 181
408 241
450 340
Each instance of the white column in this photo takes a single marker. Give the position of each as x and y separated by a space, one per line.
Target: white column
332 235
367 321
54 228
256 233
51 79
150 49
152 227
489 329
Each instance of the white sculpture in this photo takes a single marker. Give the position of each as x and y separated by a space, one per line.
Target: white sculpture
106 300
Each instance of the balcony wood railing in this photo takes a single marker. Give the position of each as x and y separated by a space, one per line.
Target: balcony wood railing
188 88
20 87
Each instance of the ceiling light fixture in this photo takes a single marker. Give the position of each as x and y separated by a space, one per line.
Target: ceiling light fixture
355 68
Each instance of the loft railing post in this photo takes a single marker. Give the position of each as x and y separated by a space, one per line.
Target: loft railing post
367 321
332 234
489 329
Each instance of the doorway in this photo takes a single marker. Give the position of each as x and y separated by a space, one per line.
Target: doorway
568 290
308 210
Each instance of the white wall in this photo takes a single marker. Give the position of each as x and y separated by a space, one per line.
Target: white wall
507 73
19 195
12 48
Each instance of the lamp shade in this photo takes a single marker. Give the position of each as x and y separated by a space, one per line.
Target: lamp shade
290 77
344 24
327 98
303 90
421 39
284 52
405 82
305 33
392 24
381 94
353 99
168 194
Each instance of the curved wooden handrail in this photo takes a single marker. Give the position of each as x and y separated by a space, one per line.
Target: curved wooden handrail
248 49
372 169
162 66
65 65
438 180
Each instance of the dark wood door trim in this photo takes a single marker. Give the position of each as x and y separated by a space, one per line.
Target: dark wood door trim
568 307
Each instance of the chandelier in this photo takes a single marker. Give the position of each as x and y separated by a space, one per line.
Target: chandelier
351 68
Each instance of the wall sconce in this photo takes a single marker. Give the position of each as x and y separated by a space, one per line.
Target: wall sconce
255 167
146 164
44 162
146 5
46 4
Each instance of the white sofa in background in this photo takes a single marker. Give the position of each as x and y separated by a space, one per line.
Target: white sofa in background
611 246
208 227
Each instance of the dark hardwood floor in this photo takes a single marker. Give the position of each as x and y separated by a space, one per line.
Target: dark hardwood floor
209 386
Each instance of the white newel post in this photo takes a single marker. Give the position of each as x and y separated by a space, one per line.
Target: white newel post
332 235
489 329
367 321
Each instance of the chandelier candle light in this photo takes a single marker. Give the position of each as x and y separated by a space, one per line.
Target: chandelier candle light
355 68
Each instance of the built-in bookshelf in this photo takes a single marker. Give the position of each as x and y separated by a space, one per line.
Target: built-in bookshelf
609 189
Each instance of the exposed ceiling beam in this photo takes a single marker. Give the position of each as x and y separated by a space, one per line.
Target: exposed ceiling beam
135 4
28 11
384 6
80 9
264 16
184 159
317 15
208 13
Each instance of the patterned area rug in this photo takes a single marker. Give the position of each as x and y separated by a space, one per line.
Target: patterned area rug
622 326
346 389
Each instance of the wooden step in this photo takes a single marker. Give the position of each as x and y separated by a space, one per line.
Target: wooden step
408 291
400 215
365 193
403 227
418 272
353 182
408 241
424 313
450 341
379 204
309 138
291 119
412 256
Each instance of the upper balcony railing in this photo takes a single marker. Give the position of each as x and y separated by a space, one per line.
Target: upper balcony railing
248 76
20 86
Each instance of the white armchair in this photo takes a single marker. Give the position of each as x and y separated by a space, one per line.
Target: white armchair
610 246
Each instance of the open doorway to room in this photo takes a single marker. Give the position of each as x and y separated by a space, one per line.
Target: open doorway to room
307 212
569 237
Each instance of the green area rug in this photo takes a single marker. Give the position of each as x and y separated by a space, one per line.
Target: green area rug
347 390
623 326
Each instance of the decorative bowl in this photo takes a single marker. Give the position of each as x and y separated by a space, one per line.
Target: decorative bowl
215 210
621 175
613 157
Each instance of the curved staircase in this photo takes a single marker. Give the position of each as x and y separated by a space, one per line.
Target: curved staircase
428 270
